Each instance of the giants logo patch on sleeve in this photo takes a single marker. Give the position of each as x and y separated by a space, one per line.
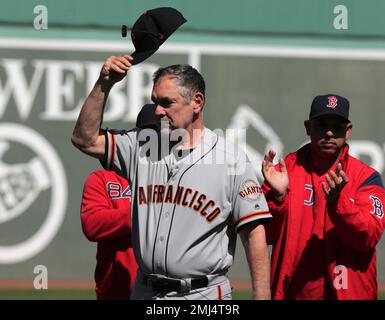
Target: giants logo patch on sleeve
378 209
250 190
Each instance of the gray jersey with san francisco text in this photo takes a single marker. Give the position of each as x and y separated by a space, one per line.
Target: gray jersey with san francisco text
186 212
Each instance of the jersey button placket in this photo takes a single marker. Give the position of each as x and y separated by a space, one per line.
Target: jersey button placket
161 240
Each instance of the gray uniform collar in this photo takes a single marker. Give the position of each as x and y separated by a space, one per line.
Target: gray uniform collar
209 141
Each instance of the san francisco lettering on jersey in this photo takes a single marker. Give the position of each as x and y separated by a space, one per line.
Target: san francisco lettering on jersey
180 195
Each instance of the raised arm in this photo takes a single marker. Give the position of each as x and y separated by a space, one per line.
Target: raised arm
356 213
86 135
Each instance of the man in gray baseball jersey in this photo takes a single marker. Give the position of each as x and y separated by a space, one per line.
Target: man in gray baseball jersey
189 199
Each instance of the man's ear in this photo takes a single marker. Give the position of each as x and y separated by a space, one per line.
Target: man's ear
307 126
349 127
198 100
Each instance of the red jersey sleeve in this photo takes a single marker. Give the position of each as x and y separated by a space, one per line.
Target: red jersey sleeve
100 218
359 216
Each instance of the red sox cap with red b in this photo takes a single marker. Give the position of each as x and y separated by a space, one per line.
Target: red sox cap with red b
329 104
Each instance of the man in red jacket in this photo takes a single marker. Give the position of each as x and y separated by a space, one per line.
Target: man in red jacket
105 217
328 212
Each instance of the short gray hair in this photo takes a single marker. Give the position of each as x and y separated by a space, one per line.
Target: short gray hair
187 78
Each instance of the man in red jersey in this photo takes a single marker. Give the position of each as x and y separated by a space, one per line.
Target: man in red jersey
105 217
328 213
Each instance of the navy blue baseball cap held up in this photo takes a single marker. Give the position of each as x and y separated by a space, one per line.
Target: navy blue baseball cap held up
151 30
330 104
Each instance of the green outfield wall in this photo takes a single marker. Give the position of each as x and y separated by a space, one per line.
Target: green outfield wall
247 16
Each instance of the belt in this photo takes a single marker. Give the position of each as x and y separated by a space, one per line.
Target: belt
163 284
